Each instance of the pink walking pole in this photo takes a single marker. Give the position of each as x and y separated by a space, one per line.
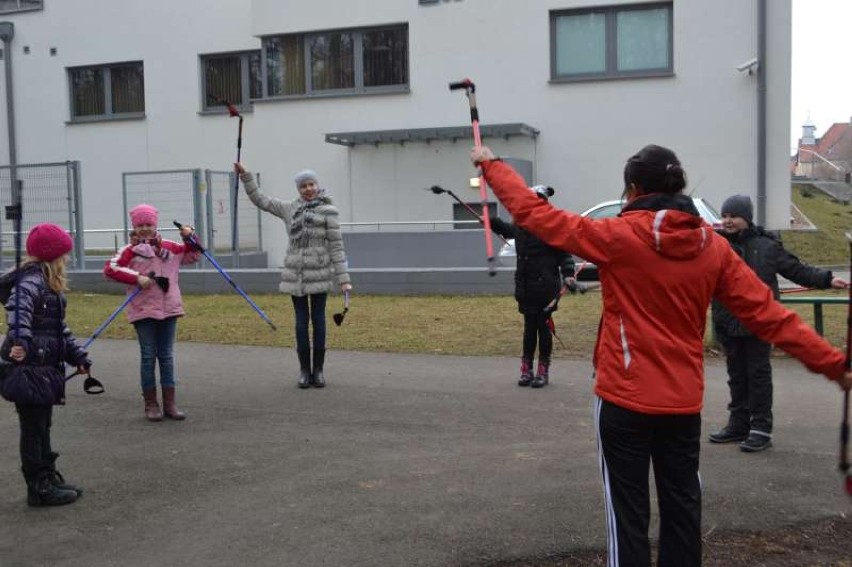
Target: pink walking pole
470 92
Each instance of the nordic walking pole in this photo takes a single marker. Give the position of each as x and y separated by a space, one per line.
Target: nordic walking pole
844 427
193 241
232 111
438 190
92 385
470 92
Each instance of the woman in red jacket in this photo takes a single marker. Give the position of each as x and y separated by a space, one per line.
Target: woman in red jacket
660 265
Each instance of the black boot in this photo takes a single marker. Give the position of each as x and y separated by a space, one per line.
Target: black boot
319 360
42 492
304 368
57 479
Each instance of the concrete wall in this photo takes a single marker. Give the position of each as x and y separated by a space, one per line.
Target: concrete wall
705 111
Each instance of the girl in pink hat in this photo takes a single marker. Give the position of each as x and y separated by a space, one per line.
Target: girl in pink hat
39 339
152 263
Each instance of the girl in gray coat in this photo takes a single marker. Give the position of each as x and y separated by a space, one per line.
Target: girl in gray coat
314 264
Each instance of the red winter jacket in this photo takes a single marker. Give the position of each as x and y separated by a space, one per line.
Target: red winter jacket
658 272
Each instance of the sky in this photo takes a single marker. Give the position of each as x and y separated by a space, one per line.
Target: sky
821 65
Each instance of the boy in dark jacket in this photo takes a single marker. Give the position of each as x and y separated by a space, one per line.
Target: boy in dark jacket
749 370
539 275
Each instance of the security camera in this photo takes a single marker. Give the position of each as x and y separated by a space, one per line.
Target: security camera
750 66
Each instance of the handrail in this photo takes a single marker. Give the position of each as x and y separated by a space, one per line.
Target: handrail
818 302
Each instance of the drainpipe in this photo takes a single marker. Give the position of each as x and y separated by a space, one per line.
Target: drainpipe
7 32
761 112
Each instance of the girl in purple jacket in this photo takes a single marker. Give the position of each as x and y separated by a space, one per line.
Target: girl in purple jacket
152 263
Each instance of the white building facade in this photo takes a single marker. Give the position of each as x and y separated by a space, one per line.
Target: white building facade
358 91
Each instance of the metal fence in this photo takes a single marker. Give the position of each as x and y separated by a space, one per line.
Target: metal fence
202 198
221 186
50 192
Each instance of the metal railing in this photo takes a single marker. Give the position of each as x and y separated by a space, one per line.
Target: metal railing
379 226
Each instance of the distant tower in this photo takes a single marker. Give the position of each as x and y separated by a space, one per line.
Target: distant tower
808 130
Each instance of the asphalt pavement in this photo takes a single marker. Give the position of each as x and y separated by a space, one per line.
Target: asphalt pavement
403 460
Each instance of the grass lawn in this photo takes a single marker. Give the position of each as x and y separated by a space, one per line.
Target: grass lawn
461 325
827 246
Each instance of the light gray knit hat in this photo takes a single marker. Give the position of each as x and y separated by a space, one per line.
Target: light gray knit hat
306 175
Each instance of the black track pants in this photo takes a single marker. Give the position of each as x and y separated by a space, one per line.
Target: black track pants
535 330
628 443
750 383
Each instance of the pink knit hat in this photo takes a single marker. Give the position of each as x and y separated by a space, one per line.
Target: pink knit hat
143 214
48 242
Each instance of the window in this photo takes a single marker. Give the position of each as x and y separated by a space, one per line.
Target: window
232 77
620 41
336 62
20 5
107 91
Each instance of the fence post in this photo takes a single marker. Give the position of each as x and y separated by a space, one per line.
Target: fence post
124 206
199 189
235 221
76 213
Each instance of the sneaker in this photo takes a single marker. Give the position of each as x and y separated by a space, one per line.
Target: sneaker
728 435
757 441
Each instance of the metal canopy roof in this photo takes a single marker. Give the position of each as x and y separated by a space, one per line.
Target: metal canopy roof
453 133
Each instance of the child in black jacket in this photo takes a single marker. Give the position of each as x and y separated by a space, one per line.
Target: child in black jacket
539 275
749 369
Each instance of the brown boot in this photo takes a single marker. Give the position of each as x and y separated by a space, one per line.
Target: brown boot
169 407
152 408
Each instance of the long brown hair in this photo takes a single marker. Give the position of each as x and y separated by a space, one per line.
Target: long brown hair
54 272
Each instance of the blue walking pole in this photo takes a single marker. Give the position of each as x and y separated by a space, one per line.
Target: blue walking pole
92 385
112 317
197 245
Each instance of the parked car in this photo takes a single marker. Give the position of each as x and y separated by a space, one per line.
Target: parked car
605 210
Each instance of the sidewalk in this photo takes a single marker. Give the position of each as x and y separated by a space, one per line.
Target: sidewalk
403 460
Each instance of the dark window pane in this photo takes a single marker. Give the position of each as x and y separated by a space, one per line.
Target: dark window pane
332 61
87 86
255 83
385 57
128 89
285 65
222 80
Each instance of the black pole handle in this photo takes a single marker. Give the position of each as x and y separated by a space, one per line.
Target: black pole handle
466 84
190 239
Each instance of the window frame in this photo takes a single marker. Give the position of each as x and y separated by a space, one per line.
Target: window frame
245 80
108 115
20 10
611 72
358 89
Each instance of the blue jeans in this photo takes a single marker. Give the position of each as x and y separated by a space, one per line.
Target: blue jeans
156 343
316 314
